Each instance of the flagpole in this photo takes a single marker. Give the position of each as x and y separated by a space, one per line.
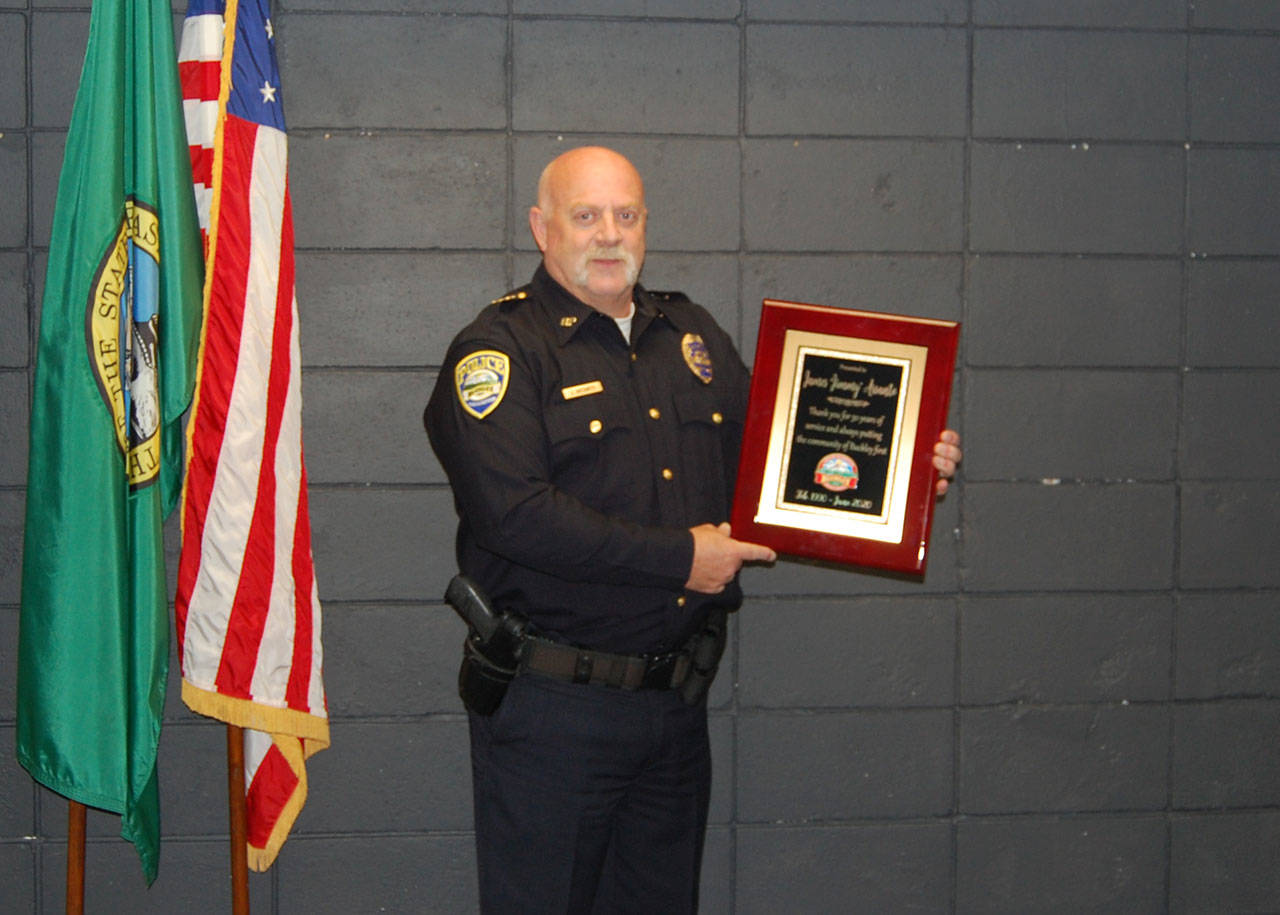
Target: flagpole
75 858
239 831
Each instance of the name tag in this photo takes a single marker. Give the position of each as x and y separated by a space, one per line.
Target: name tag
582 390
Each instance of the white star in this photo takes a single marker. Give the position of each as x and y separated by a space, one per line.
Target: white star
270 31
268 92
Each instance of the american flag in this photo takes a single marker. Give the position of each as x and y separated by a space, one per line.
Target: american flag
248 612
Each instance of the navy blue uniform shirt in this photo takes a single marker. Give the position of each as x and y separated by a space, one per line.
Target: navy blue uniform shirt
579 462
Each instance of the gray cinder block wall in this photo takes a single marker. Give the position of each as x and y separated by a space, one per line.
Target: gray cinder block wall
1077 710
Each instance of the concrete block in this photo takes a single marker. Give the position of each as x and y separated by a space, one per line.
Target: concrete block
1231 313
852 195
1228 424
448 7
1224 754
1027 760
58 40
1026 536
1073 424
13 70
1228 644
18 864
398 191
791 576
366 427
1076 198
1072 84
12 523
8 662
391 308
880 81
844 765
855 652
1229 537
1081 864
951 12
390 776
1229 76
1234 201
1224 862
556 91
392 660
194 877
46 165
692 188
14 298
17 789
383 544
1047 311
13 203
13 419
426 72
192 766
650 9
715 889
1065 648
918 285
1157 14
891 868
378 873
1236 14
721 731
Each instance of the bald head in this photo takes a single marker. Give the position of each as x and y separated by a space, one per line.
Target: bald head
589 223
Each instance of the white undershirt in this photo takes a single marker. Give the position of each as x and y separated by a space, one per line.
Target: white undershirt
624 324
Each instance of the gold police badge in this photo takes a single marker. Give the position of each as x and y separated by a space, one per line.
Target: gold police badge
481 381
696 357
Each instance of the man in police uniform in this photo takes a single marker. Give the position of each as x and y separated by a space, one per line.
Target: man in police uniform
590 430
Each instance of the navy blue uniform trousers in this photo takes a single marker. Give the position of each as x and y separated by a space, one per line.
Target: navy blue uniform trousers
589 799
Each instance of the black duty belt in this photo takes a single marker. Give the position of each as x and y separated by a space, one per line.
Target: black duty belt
622 671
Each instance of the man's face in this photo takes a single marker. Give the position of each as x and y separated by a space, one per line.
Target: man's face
590 225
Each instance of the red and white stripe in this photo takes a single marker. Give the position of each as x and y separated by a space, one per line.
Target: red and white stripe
247 606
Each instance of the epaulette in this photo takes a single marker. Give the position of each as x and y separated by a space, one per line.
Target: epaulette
669 296
517 295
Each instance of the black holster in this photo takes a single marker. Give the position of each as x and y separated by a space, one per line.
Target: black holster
705 651
481 681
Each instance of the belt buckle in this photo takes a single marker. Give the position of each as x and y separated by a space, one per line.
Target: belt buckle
658 670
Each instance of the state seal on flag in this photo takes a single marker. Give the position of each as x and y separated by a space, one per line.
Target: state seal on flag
481 381
121 331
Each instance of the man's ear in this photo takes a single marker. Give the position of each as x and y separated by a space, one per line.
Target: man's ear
538 226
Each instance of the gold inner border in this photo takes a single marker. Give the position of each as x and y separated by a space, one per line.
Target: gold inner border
773 508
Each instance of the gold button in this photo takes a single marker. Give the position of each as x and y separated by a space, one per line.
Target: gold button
680 601
717 418
654 413
595 426
666 473
634 357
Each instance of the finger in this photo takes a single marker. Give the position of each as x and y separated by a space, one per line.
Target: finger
950 436
723 527
941 487
755 552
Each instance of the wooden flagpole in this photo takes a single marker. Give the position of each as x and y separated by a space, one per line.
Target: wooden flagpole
75 857
239 829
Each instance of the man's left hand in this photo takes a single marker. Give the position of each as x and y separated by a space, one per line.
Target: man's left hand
946 457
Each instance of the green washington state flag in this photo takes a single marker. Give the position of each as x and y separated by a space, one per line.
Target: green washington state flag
119 334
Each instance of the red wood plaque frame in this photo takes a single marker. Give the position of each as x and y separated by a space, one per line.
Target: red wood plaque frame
837 451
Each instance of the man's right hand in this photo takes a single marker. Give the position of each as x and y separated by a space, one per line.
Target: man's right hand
717 557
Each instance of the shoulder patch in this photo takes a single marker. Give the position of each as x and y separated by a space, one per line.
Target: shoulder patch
696 357
480 378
